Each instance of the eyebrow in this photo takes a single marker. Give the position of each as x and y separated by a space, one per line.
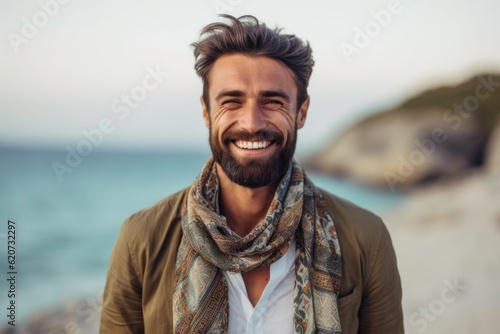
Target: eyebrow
266 93
276 93
229 93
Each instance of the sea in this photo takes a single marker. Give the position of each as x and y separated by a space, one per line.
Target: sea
66 226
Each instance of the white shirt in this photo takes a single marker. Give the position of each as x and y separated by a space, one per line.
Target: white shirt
274 312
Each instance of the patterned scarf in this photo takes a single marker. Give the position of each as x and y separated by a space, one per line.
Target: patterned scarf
209 247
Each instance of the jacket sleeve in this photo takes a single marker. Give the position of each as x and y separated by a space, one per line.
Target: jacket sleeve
122 301
380 310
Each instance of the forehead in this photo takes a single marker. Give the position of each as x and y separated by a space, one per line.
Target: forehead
250 74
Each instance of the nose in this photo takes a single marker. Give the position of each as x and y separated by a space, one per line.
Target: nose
252 117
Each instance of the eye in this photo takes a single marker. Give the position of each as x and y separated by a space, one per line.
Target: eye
273 103
231 104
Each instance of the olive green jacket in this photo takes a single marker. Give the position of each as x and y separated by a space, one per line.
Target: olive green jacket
140 281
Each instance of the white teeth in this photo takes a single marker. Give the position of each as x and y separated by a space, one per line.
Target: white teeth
252 145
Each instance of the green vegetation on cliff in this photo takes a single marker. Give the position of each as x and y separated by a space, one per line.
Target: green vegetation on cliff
468 92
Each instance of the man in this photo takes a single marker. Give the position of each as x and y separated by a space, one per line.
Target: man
253 246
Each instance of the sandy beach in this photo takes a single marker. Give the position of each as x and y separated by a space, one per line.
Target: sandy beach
447 239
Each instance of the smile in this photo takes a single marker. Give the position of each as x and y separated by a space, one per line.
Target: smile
253 145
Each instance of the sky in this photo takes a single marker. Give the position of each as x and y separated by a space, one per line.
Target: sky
67 66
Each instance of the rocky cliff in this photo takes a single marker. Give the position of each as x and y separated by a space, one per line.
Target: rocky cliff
440 133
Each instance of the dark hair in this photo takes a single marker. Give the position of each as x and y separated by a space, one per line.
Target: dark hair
246 35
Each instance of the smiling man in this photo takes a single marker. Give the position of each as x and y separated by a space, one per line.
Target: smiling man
253 246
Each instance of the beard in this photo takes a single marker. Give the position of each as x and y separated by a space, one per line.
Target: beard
253 172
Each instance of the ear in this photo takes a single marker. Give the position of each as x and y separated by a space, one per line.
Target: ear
302 114
206 115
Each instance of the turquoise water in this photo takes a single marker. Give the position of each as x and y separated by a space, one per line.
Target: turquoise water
66 230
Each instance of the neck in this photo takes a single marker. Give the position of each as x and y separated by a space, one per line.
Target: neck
243 207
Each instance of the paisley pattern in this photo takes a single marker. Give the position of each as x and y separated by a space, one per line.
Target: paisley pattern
209 247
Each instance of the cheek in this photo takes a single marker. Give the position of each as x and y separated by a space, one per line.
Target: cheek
226 122
285 125
217 130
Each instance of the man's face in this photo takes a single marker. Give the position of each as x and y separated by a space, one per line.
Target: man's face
253 118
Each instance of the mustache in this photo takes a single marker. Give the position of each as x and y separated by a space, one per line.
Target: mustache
261 135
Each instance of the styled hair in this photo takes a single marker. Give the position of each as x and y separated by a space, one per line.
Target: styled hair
246 35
